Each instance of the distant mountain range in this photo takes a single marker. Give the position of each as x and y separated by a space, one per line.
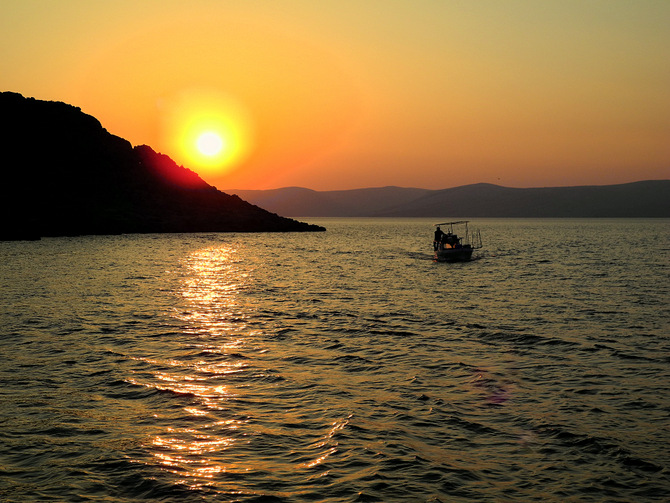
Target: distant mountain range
63 174
645 199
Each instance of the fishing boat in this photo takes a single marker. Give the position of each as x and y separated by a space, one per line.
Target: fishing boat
449 246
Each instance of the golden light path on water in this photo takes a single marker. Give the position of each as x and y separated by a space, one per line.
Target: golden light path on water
225 382
210 283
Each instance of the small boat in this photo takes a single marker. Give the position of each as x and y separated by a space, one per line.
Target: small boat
450 247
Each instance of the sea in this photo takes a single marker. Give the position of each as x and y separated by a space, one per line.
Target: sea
340 366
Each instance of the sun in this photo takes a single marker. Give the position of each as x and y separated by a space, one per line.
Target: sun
208 131
209 143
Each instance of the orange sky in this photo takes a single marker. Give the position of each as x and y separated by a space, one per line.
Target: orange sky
348 93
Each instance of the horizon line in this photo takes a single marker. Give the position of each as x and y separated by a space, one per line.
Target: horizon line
446 188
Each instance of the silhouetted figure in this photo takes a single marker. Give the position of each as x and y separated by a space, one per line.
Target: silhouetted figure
438 237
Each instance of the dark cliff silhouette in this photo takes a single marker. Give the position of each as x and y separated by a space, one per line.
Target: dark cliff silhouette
63 174
644 199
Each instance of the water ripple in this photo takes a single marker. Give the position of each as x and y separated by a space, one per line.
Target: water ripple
315 368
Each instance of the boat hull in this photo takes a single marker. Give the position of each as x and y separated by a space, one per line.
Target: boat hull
454 254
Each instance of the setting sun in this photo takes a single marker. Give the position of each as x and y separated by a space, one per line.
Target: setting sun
209 143
210 132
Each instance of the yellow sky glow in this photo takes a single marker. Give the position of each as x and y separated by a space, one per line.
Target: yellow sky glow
348 94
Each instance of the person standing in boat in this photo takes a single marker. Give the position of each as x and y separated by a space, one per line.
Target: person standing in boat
438 238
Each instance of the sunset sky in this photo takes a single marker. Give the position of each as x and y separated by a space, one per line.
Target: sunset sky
352 93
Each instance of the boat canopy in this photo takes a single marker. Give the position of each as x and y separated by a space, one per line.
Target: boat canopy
453 223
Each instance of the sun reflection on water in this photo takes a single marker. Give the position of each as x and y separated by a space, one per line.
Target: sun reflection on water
210 288
209 309
187 453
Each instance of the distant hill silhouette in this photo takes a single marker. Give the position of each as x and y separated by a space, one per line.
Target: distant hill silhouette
297 201
64 174
645 199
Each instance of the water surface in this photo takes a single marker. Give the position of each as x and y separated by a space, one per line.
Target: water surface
339 366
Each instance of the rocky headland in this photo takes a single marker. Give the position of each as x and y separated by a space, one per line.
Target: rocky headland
63 174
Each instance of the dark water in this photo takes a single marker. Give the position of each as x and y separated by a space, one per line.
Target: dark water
340 366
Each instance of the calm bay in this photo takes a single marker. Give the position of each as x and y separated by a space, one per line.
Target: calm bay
339 366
